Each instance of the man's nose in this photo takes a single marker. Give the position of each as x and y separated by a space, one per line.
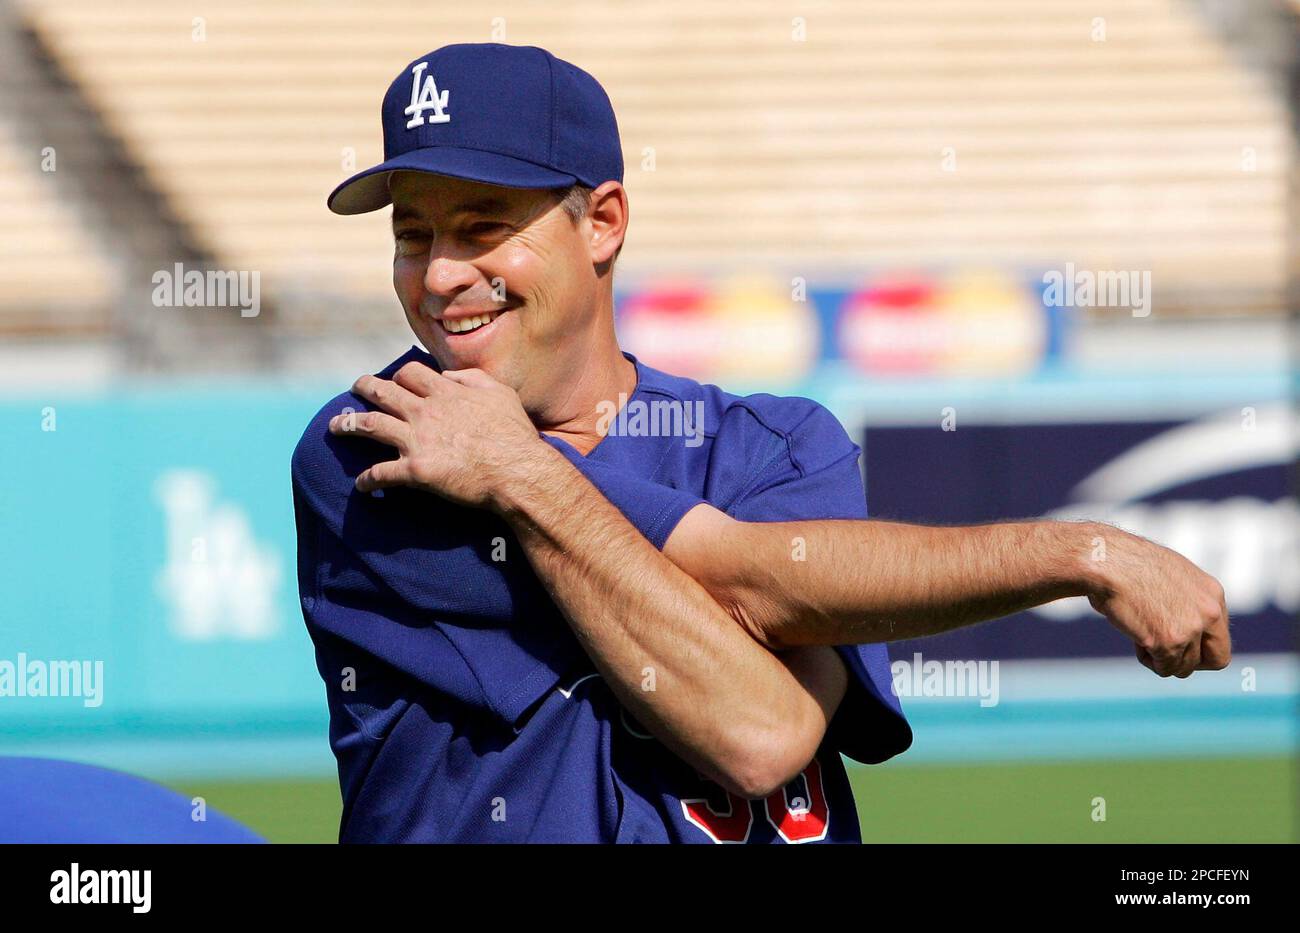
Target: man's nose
447 276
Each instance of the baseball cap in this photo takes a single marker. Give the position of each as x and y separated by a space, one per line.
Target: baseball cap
507 115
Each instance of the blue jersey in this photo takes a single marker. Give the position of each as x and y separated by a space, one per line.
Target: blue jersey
461 706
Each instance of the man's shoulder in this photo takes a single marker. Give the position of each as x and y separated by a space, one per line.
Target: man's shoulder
318 461
801 426
772 457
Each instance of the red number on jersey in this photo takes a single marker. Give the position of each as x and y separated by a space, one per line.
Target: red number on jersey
799 819
795 819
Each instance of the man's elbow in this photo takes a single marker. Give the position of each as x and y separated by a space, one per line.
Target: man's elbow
765 764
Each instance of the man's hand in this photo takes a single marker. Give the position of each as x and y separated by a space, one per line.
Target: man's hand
1174 612
459 434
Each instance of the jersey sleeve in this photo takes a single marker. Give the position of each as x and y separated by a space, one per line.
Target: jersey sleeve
653 509
807 469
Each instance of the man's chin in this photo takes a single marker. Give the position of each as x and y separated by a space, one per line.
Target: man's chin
490 363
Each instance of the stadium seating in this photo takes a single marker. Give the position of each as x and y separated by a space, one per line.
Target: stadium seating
56 276
863 136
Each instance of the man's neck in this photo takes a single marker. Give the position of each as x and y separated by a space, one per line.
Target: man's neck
578 418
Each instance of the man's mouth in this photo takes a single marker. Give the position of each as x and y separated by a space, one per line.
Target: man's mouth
465 325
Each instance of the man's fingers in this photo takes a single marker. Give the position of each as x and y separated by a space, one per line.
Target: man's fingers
474 378
1190 659
1209 651
1165 661
1216 644
375 425
383 475
419 379
1213 657
386 395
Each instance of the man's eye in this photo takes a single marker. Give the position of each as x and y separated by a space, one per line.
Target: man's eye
486 226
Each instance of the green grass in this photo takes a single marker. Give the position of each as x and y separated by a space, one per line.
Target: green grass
1194 800
280 810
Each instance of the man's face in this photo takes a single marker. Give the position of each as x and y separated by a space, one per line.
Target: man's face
469 253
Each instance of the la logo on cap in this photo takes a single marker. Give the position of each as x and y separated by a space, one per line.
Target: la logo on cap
426 97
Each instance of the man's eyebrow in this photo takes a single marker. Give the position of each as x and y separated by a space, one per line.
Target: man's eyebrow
482 206
488 205
404 213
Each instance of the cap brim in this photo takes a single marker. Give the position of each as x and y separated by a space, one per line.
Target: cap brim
368 190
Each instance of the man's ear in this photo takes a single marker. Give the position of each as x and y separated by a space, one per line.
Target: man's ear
607 219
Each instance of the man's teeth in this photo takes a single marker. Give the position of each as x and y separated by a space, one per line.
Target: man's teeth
466 324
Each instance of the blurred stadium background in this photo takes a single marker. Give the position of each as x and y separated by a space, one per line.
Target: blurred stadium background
868 203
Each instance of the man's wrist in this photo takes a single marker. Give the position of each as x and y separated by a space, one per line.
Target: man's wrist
524 482
1085 551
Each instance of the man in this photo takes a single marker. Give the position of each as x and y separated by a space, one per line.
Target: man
532 628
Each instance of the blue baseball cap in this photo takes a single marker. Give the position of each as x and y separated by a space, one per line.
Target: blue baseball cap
508 115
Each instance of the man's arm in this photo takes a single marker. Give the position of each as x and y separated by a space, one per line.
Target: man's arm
871 581
673 656
677 661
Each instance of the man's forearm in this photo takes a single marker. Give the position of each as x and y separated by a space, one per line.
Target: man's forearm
842 582
673 656
853 582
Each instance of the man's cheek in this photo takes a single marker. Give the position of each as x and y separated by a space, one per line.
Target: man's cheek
408 273
402 283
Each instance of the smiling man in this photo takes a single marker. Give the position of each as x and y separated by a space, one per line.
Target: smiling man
532 629
517 294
